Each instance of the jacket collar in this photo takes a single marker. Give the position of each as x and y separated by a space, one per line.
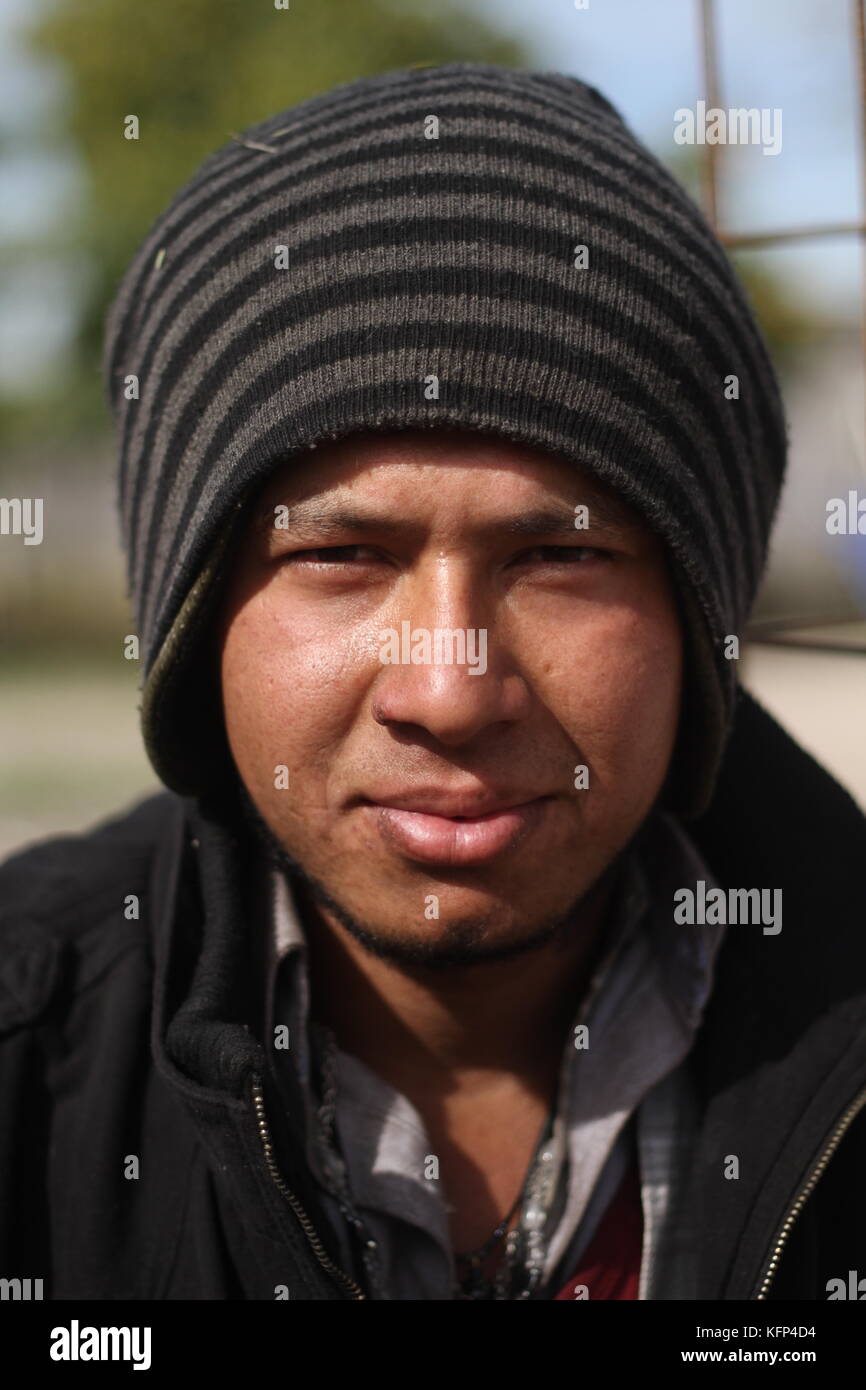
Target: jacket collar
203 967
782 1047
782 1050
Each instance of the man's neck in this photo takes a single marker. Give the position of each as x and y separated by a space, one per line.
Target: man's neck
424 1028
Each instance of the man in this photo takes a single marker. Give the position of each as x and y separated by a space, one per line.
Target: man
489 942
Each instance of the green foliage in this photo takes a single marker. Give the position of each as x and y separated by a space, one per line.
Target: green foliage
788 325
193 73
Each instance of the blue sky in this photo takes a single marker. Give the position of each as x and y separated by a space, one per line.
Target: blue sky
798 55
643 54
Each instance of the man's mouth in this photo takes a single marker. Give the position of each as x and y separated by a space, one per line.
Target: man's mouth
458 839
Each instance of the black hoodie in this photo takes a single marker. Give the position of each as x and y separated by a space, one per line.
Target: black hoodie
148 1152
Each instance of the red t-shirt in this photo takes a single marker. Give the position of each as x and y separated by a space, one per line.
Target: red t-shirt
610 1265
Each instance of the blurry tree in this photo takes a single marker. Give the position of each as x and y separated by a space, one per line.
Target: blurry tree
790 326
193 73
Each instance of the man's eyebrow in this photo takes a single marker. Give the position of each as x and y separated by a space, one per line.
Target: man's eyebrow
321 519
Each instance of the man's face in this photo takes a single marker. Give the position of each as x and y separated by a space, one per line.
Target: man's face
565 654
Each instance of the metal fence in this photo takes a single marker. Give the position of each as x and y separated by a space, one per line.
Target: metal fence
781 630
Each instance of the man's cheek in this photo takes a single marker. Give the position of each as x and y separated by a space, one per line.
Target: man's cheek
625 718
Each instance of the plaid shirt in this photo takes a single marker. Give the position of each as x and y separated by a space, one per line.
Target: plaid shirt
642 1008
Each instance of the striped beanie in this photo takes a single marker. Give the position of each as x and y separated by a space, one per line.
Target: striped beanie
464 246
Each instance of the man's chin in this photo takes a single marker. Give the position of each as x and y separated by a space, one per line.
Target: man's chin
448 946
451 942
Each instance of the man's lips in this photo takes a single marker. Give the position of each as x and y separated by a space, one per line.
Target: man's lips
432 838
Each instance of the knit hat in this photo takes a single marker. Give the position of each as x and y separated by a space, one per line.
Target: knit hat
464 246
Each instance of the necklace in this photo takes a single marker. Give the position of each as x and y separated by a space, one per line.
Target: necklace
470 1263
520 1270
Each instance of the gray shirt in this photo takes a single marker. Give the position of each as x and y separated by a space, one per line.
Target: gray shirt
628 1085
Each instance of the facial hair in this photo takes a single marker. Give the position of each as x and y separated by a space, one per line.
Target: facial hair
458 944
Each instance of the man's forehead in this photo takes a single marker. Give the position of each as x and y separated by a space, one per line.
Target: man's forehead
361 478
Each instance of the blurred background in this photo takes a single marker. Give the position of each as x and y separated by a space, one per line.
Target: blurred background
79 198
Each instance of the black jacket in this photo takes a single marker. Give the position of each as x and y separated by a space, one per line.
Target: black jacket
128 1037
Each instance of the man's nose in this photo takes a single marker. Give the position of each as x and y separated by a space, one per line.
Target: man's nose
446 666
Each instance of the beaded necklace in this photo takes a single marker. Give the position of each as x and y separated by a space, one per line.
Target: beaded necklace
521 1268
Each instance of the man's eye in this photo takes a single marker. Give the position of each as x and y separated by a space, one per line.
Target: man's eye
568 554
328 554
343 554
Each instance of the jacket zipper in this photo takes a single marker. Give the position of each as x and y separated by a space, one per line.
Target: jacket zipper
806 1191
354 1291
357 1293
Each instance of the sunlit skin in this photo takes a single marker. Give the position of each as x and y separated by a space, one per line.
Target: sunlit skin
466 1012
